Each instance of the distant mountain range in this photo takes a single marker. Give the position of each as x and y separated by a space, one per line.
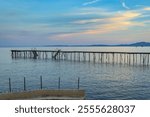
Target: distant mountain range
137 44
132 44
140 44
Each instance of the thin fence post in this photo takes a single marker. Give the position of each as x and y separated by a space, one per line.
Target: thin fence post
78 82
9 85
41 82
59 83
24 84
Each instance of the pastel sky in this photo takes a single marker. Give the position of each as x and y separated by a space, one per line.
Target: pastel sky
47 22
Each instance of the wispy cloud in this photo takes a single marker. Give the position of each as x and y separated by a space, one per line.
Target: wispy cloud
147 8
139 5
91 2
99 26
88 21
125 6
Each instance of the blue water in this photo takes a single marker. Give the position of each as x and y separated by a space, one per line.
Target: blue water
100 81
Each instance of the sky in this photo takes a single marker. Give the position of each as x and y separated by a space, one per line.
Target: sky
59 22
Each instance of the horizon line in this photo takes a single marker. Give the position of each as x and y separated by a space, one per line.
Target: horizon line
84 45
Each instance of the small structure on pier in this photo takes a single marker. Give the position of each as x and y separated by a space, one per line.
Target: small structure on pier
56 54
35 54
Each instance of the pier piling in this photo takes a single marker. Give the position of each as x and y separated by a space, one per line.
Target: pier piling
24 84
59 83
78 83
10 85
41 82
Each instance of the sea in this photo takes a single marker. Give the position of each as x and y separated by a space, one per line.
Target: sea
100 81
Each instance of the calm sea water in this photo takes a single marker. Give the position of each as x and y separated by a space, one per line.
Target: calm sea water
100 81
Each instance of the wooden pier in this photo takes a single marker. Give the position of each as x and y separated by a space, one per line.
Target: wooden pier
42 92
45 95
129 58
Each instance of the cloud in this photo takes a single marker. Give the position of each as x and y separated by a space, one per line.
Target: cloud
139 5
125 6
103 25
91 2
88 21
147 8
116 23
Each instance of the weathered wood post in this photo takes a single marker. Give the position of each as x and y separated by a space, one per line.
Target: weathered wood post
41 82
24 82
12 54
98 57
140 59
113 59
84 56
10 85
78 56
74 56
89 57
71 56
124 55
108 57
94 57
136 58
129 58
102 58
148 60
59 83
78 83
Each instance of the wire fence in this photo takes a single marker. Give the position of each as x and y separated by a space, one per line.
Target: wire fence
23 85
